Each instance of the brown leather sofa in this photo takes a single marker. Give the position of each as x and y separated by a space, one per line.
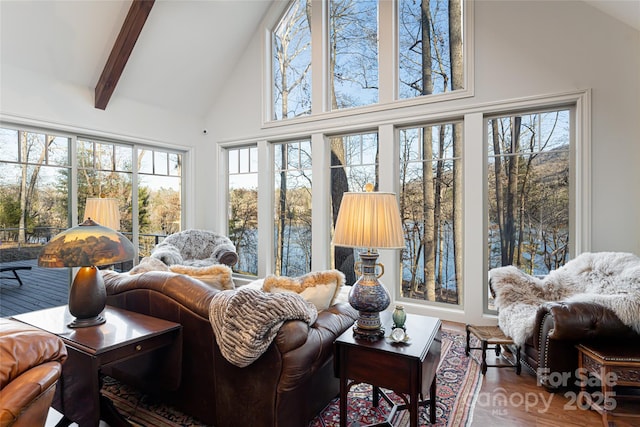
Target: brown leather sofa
286 387
551 352
30 365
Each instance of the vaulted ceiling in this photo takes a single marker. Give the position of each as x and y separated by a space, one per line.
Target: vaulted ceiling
182 58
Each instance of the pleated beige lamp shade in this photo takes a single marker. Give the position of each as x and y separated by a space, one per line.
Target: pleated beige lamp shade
369 220
104 211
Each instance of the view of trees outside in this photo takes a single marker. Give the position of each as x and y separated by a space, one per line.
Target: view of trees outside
159 196
353 53
106 170
292 221
528 182
430 62
436 24
34 191
431 212
243 207
35 188
291 63
354 163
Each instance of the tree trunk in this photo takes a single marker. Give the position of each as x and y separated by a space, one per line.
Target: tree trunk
457 82
512 192
427 173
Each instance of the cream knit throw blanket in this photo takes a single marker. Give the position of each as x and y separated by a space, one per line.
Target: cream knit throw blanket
245 321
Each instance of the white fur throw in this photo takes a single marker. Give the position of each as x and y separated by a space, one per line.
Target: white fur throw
246 321
611 279
196 248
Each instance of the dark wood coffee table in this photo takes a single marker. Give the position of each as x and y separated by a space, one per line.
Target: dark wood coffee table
407 369
124 335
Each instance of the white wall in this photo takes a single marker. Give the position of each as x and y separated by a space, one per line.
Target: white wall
522 49
34 99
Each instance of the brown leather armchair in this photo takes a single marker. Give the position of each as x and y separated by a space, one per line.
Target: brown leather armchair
285 387
551 352
30 365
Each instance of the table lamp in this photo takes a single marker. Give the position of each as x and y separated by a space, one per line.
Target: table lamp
369 220
104 211
86 246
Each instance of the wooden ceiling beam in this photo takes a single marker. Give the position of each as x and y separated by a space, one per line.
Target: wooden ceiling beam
122 48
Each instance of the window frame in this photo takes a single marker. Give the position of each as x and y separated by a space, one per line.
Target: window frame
388 100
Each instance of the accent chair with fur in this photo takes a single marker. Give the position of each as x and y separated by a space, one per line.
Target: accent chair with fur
593 297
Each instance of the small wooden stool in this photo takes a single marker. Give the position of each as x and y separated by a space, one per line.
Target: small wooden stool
613 365
490 335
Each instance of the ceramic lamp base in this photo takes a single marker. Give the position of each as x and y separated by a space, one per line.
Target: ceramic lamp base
87 298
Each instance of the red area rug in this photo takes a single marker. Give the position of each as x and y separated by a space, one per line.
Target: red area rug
458 385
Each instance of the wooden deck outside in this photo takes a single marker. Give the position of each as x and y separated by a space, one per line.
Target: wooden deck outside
42 288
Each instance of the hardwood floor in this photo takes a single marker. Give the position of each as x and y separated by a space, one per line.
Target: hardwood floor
507 399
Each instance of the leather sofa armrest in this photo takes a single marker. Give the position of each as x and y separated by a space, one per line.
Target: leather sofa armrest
332 322
304 349
577 321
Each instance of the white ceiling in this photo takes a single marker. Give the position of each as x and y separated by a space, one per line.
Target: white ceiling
184 55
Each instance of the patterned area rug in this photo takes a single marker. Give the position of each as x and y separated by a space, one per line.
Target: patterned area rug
458 385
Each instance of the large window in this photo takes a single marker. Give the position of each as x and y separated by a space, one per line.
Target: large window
353 55
430 47
292 219
528 197
431 212
291 62
243 207
34 191
429 60
44 189
159 196
354 163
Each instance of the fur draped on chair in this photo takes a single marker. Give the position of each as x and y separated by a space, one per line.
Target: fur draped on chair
611 279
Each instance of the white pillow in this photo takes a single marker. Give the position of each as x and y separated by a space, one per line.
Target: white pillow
319 288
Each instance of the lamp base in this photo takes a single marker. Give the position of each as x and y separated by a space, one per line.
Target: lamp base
83 323
369 297
368 326
87 298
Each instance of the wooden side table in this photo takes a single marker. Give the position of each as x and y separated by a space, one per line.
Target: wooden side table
613 365
124 335
408 369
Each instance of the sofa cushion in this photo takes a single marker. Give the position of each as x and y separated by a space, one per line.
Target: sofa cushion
319 288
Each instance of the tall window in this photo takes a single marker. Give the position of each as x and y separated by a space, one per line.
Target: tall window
529 190
106 170
159 196
430 47
291 62
243 207
292 221
431 211
354 163
34 191
353 54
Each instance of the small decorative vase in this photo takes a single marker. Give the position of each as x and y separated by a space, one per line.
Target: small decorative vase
399 317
